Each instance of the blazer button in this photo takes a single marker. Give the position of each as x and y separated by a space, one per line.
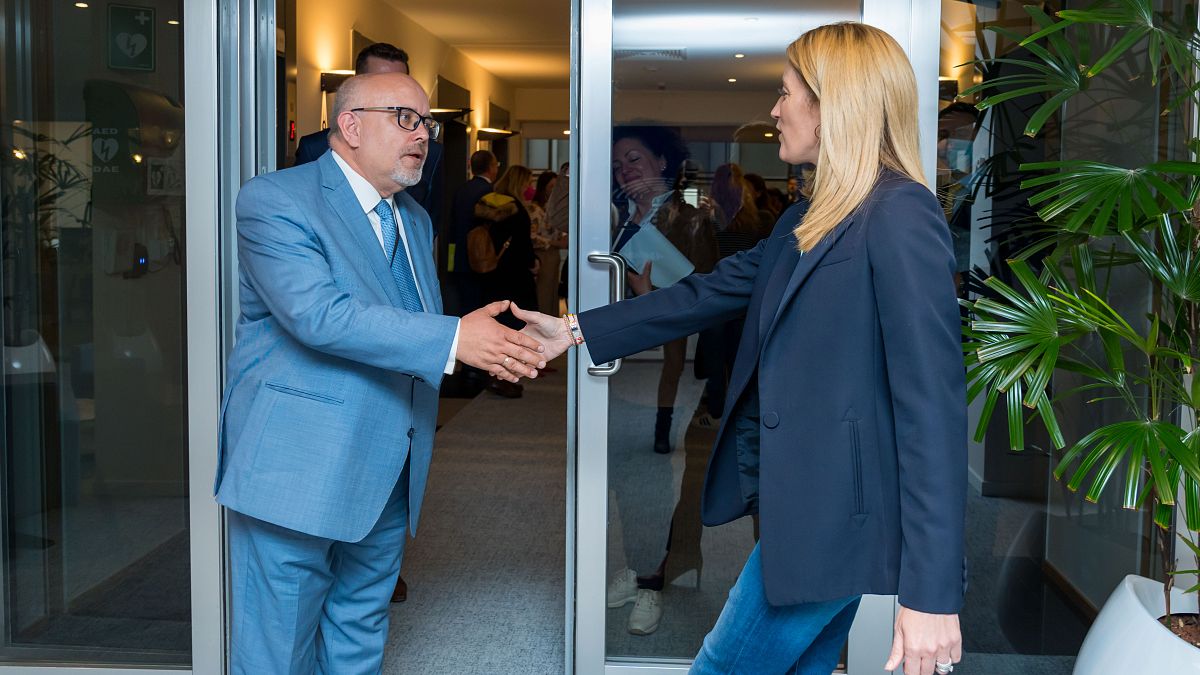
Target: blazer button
411 432
770 420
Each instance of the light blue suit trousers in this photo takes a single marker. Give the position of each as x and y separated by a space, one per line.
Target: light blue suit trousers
300 600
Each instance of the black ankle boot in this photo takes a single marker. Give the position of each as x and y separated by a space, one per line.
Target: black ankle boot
662 431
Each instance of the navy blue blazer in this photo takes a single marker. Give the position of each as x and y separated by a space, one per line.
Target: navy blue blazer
427 192
854 348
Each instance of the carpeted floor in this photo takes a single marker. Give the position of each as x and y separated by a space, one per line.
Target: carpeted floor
486 573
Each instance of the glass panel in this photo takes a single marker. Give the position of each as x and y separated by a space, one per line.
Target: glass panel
94 564
1041 559
693 127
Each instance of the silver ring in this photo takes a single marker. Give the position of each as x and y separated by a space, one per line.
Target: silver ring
943 668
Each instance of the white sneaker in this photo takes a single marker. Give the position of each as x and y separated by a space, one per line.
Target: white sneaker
647 611
622 589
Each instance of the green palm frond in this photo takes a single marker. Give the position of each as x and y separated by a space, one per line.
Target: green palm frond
1092 194
1158 446
1140 22
1056 74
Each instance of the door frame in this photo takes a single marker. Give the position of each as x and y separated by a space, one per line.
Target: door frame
916 27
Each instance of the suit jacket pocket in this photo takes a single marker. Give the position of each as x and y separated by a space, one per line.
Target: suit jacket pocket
302 393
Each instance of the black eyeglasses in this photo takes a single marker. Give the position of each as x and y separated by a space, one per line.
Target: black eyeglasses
408 119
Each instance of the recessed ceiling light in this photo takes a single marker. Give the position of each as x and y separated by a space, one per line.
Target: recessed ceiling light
733 79
81 5
769 135
172 22
739 56
566 132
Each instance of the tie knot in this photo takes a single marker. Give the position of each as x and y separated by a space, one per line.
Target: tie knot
384 209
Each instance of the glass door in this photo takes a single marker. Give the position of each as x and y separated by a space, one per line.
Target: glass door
109 544
671 118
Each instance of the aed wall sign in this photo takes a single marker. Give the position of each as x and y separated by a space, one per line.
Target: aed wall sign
130 37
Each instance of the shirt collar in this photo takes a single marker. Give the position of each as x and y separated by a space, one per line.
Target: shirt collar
368 197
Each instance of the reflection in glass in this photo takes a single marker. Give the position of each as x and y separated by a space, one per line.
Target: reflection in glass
1041 559
696 168
94 563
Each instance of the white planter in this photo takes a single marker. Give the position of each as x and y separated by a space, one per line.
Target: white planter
1127 637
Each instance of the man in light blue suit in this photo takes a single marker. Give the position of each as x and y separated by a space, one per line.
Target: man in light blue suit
328 419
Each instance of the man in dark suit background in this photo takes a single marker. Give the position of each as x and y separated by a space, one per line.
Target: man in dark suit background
484 170
382 57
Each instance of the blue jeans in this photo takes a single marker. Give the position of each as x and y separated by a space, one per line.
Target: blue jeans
753 638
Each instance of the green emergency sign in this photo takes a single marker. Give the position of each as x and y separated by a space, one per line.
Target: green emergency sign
130 37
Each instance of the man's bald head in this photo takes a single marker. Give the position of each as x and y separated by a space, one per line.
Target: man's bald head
379 89
371 140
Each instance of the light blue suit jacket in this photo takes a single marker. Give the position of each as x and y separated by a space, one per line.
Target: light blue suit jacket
331 385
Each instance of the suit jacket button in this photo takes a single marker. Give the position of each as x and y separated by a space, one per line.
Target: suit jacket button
770 420
411 432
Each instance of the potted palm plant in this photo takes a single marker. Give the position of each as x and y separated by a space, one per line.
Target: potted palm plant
1057 314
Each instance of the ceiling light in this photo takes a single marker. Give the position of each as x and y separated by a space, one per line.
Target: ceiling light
493 134
19 154
81 5
447 114
566 132
172 22
739 56
769 135
137 159
733 79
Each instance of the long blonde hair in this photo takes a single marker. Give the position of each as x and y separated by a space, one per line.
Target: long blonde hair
513 182
867 92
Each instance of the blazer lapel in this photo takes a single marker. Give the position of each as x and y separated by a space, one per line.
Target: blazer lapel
341 199
803 268
419 238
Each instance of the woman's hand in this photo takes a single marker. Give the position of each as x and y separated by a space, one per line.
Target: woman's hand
550 331
924 640
640 283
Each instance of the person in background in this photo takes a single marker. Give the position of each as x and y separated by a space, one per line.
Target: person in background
957 178
647 170
382 57
513 278
647 165
847 420
758 189
547 242
558 218
793 190
484 170
738 230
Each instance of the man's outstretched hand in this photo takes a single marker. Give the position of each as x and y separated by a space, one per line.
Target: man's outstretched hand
501 351
550 331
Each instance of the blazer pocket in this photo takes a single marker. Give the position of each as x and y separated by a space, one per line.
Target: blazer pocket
836 261
310 395
856 466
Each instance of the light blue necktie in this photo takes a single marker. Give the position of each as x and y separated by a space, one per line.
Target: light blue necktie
393 244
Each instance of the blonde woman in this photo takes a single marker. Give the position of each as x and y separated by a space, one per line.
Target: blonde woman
847 416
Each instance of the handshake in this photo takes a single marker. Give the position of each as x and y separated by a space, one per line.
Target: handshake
505 353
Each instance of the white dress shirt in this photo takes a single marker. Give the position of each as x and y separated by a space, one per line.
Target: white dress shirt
368 198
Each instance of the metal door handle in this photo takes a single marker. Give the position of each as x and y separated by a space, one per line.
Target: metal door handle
616 292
